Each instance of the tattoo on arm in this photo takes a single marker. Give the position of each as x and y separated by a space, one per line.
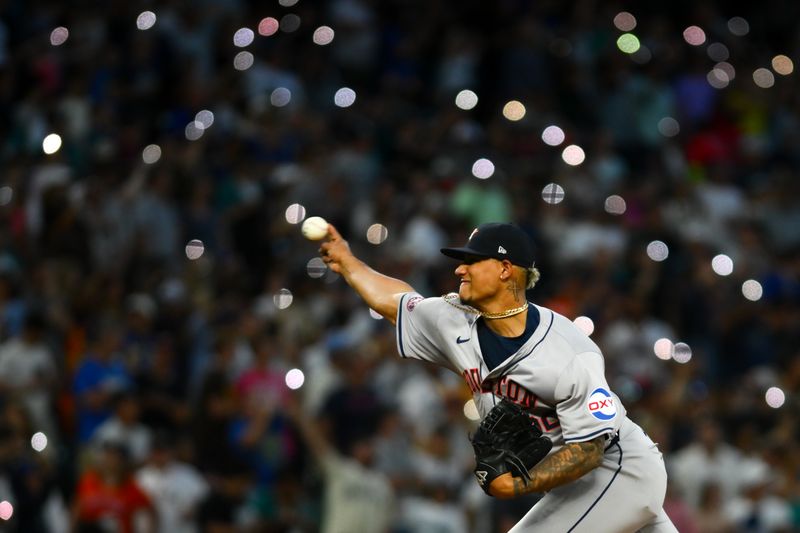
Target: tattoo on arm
567 464
519 486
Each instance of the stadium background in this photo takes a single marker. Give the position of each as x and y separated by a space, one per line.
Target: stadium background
126 342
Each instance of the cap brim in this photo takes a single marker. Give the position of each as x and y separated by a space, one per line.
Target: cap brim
461 253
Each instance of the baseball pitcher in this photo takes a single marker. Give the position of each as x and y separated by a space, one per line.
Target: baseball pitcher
550 422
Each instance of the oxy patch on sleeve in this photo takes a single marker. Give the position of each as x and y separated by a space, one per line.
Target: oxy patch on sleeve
601 404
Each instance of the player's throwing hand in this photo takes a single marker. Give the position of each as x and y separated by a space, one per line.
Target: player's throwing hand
335 251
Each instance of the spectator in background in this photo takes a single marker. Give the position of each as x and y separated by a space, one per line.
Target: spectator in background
12 306
163 389
125 426
710 515
353 409
756 509
262 437
107 497
176 488
357 497
29 476
214 410
28 373
707 459
99 376
441 473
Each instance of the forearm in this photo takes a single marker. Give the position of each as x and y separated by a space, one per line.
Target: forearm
380 292
564 466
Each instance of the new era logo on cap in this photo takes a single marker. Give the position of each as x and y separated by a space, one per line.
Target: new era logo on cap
501 250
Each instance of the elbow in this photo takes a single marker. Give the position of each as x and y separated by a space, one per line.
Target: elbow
595 458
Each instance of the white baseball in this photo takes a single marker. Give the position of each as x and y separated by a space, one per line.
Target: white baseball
314 228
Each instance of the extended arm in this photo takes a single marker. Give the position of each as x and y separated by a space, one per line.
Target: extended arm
380 292
559 468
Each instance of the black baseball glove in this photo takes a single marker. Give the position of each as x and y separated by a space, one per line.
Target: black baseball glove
507 440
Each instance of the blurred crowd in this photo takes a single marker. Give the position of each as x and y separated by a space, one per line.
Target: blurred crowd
144 384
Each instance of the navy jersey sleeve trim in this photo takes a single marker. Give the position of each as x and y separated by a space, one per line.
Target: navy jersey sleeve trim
400 327
619 467
589 436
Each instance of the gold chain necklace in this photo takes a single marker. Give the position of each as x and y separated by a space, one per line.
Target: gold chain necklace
506 313
489 316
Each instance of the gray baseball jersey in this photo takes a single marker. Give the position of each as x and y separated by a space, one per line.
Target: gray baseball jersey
558 375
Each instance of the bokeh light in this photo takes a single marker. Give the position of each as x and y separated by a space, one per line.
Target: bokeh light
764 78
466 99
377 233
615 205
243 37
194 130
694 35
295 213
775 397
738 26
6 510
657 250
722 265
717 78
727 68
483 168
323 35
146 20
663 349
287 3
151 154
585 324
624 21
59 36
51 144
39 441
316 267
681 353
283 298
295 378
752 290
204 117
243 60
344 97
553 135
514 110
290 23
717 52
268 26
573 155
471 410
280 97
782 65
628 43
195 249
553 193
668 127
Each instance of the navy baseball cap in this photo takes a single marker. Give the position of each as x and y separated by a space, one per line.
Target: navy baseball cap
497 240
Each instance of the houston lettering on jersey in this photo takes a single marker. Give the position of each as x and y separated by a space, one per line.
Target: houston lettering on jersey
544 415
